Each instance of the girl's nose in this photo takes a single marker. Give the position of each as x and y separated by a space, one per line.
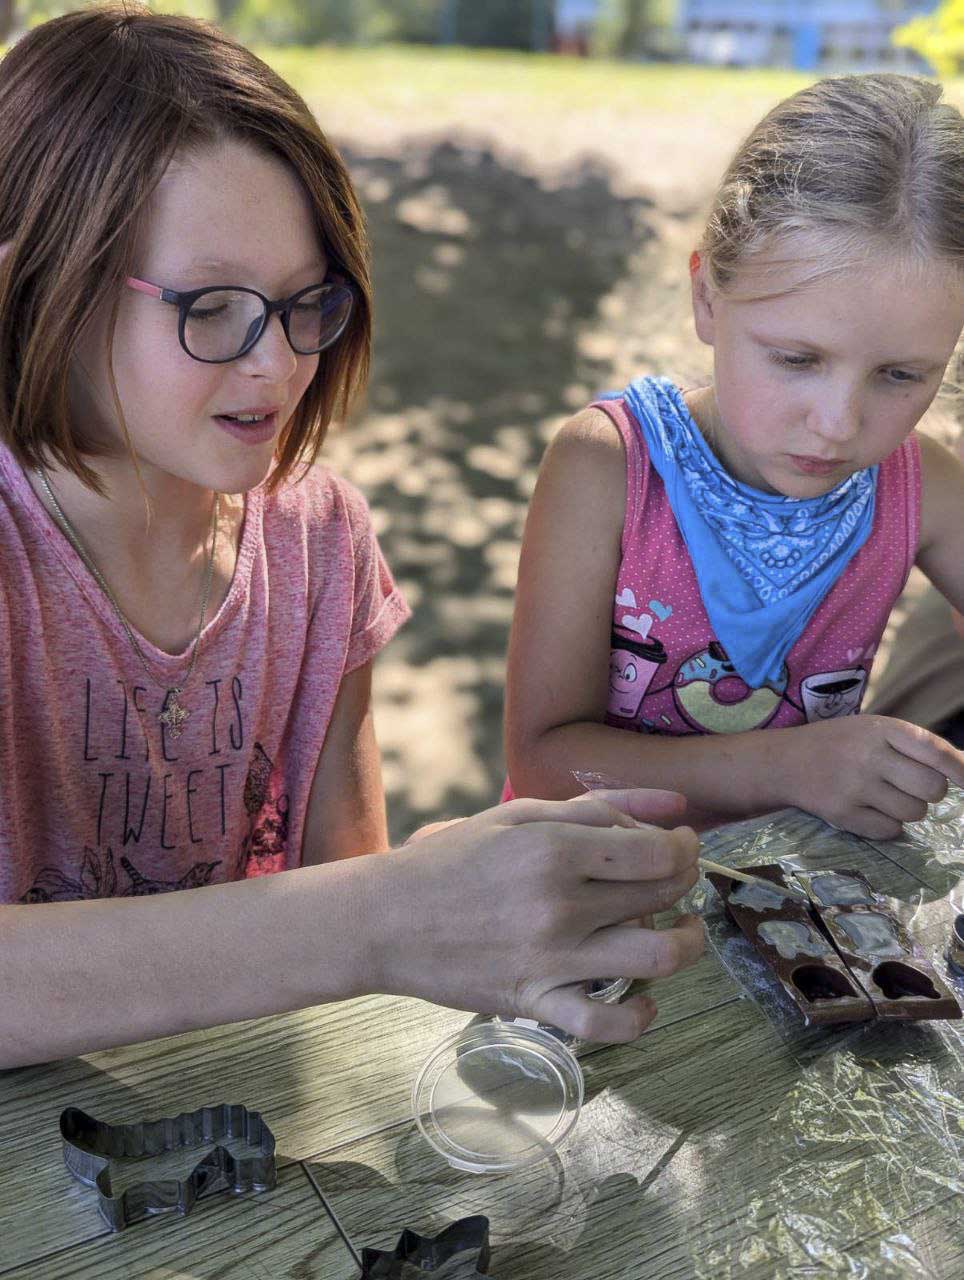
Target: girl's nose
837 420
271 356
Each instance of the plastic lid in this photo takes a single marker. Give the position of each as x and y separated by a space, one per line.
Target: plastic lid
498 1096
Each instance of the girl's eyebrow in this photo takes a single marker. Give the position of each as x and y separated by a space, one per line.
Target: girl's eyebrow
771 340
238 270
926 363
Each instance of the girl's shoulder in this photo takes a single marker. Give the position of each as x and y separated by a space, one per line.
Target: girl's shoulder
590 442
319 502
582 482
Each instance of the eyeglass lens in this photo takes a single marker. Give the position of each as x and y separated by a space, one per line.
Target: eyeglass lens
222 323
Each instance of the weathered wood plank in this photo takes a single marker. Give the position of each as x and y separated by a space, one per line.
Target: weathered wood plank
320 1077
708 1149
282 1233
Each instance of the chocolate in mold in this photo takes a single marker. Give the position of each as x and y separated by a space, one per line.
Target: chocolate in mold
887 963
788 937
836 888
792 938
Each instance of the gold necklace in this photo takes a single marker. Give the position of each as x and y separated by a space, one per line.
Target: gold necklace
173 713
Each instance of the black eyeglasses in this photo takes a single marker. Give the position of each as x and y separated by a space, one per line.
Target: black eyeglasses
223 322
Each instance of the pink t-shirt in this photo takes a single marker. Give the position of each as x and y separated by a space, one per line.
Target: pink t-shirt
96 798
668 672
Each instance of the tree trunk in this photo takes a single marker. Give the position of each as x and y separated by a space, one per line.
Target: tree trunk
225 9
6 18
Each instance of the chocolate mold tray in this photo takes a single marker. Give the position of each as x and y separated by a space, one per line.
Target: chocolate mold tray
887 963
90 1145
788 937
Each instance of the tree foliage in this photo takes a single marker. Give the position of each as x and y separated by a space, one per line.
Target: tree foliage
938 37
501 23
622 27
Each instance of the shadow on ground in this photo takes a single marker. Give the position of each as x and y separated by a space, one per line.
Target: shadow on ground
491 295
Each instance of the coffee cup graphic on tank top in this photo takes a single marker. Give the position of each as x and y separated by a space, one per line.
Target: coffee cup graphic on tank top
633 661
833 693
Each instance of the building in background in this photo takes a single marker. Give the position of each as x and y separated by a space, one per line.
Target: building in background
810 35
573 23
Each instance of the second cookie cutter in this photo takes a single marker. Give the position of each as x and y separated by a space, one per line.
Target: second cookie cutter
90 1145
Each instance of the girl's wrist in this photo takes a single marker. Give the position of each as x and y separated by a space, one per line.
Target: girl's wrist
332 931
785 761
377 921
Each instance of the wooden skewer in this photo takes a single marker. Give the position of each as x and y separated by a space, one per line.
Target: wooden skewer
735 874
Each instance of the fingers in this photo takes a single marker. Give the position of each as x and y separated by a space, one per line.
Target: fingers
643 804
618 903
917 781
570 1009
639 854
928 749
644 953
873 824
599 809
897 803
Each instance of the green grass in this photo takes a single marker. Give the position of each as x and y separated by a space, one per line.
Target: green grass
387 77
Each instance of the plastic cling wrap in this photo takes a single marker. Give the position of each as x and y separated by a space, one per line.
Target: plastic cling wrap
938 840
859 1169
858 1172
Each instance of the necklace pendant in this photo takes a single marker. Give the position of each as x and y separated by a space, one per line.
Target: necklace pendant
174 713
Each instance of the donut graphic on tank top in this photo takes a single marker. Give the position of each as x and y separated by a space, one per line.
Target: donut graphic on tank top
711 697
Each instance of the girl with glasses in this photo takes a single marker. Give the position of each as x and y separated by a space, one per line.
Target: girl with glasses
707 572
189 610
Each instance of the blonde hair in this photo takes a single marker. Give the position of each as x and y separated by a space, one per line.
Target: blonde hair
93 107
868 161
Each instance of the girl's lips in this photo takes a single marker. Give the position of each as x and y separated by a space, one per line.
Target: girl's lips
249 432
815 466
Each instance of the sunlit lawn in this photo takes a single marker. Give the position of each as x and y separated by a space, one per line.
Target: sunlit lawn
393 77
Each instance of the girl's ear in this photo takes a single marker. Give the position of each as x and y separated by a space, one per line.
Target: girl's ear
702 300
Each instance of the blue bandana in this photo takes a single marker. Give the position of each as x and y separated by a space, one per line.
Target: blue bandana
763 562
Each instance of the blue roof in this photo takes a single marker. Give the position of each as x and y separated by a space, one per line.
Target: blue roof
793 12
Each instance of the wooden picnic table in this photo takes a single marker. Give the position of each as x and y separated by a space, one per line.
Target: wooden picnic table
725 1142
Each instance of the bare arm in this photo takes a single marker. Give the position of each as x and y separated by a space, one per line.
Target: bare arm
431 921
941 552
346 808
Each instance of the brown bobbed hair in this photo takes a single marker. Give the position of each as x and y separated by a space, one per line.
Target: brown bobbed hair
93 107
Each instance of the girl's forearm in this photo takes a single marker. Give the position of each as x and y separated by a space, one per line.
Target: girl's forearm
723 776
80 976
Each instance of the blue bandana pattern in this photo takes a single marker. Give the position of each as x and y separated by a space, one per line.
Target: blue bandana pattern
763 562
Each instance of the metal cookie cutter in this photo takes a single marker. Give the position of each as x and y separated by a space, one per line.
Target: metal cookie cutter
90 1145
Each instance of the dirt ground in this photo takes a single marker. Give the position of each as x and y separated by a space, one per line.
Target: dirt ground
521 265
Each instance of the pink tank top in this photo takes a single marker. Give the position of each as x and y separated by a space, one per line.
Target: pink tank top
668 672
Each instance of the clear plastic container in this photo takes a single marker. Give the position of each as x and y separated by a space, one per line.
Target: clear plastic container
503 1094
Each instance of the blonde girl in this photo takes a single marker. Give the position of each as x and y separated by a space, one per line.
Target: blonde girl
707 573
